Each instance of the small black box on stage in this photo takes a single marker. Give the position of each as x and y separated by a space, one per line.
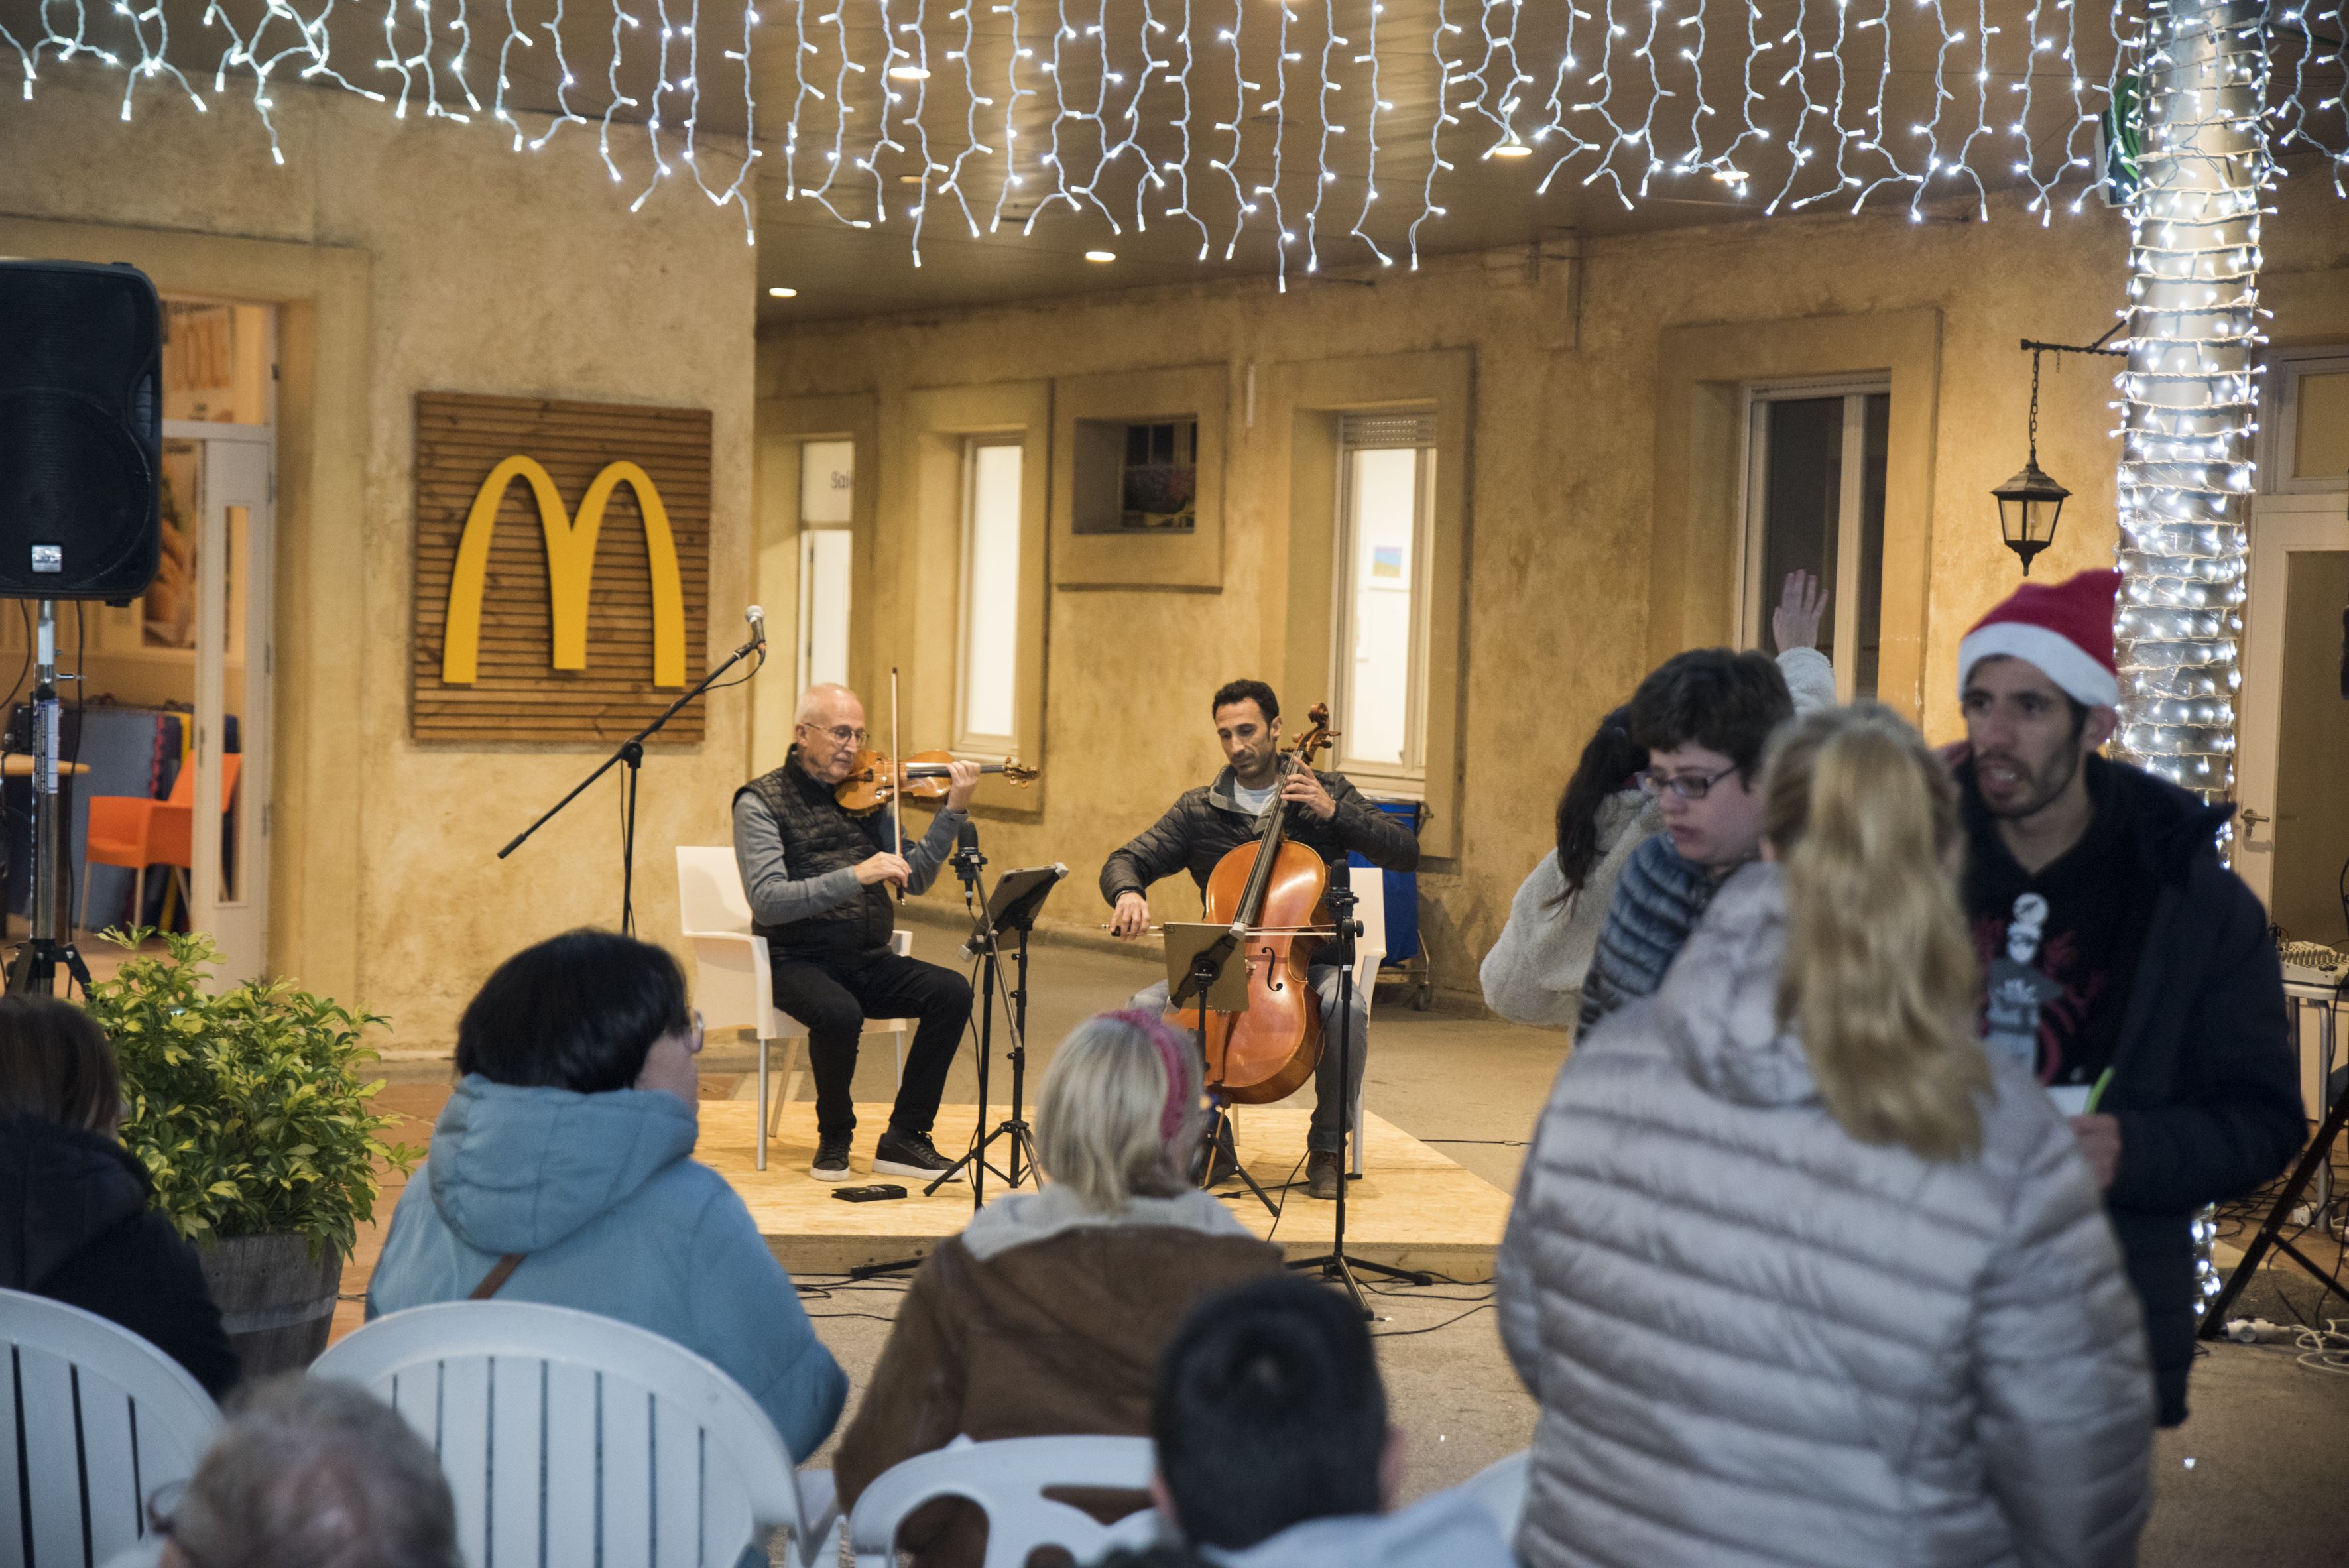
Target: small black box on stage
874 1194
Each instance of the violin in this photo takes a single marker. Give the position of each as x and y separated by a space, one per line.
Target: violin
1270 892
873 783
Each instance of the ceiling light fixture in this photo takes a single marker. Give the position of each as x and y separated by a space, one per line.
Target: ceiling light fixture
1101 255
908 74
1513 150
783 293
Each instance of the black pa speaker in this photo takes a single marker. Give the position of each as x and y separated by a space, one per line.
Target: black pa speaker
81 431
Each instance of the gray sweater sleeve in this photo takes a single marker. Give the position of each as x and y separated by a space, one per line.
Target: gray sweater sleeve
775 897
932 849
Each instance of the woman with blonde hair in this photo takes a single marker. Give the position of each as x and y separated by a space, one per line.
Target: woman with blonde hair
1796 1273
1047 1315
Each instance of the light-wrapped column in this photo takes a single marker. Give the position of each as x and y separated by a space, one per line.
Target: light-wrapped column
2190 394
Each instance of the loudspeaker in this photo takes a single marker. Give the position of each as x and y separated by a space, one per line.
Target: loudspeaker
81 431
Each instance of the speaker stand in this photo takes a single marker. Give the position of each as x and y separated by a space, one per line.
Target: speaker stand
34 965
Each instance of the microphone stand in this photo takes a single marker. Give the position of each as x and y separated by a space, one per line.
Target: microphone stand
1337 1264
632 752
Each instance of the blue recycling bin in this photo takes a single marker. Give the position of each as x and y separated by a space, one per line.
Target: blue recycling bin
1402 902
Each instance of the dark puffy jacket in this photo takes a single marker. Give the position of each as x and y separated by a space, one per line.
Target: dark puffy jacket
75 1226
2203 1082
1204 825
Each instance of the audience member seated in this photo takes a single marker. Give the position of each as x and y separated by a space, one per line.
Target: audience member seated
1047 1315
309 1473
1274 1450
75 1224
1797 1273
566 1150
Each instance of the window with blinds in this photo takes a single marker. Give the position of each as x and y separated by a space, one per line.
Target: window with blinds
1379 657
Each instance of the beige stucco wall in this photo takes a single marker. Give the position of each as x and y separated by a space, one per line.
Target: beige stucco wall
411 256
1569 595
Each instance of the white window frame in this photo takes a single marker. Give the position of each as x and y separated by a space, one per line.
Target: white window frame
969 743
2280 418
1757 598
805 626
1408 781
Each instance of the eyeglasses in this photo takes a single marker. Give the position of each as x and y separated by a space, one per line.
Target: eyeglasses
840 732
1687 786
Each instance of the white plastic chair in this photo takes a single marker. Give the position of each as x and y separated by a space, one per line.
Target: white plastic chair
1370 885
570 1438
1500 1490
107 1419
734 985
1007 1478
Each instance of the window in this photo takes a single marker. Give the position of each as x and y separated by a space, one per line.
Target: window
1385 492
986 706
1815 489
2305 426
827 499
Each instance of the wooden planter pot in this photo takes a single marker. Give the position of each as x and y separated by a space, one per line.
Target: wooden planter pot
276 1299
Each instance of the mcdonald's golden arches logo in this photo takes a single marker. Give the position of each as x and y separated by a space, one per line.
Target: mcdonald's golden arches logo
561 566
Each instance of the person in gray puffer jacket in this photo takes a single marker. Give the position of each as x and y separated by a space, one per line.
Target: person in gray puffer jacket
1796 1274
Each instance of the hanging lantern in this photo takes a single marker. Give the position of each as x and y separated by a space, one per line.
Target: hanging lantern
2029 503
2028 506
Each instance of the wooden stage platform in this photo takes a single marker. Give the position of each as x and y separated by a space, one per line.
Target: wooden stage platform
1412 1208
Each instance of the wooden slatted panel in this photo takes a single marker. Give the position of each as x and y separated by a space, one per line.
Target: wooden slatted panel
518 695
53 1473
570 1456
465 1450
627 1432
111 1465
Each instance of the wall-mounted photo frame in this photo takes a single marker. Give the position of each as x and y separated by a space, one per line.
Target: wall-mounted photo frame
1137 485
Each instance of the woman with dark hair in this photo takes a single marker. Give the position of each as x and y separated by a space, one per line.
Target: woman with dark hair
1534 974
561 1173
75 1221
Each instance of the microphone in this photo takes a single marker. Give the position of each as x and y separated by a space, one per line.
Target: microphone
758 619
967 857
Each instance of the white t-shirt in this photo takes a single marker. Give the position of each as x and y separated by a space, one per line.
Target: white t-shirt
1253 801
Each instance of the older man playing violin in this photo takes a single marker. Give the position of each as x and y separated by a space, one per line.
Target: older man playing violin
1324 813
818 880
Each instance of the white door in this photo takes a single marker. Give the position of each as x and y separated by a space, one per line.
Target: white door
2291 648
233 667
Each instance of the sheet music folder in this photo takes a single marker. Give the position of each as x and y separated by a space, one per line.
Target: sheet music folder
1185 941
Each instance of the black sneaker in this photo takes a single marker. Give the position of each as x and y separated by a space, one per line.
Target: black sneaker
831 1162
909 1154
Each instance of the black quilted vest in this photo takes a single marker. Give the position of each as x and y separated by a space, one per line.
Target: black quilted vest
818 837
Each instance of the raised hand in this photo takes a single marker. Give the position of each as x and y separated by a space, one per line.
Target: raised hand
1795 623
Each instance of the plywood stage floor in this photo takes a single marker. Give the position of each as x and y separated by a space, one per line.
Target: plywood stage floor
1412 1208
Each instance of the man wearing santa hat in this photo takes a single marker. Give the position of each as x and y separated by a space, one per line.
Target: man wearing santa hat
2120 956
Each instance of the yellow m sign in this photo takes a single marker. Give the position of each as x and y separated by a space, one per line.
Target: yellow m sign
570 569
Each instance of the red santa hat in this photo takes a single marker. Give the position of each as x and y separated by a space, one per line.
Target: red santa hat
2065 629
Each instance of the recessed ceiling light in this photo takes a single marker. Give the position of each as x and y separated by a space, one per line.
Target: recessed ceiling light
1101 255
1730 176
1513 150
783 293
908 74
911 179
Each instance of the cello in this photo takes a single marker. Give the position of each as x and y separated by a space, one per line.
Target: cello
1269 892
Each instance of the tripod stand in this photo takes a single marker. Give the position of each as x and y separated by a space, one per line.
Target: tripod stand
1206 979
34 965
632 753
1018 896
2319 1150
1337 1264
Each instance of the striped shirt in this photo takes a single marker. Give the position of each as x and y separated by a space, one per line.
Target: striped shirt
1656 904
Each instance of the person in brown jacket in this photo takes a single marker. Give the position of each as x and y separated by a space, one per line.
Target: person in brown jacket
1047 1315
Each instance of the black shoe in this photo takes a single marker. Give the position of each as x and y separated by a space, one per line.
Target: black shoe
1323 1172
830 1163
909 1154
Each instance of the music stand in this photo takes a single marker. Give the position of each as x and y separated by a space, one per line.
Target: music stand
1018 896
1201 973
2271 1233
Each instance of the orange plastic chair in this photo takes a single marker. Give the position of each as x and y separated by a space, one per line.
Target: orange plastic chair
136 832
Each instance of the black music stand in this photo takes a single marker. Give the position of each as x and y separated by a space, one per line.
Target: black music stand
1018 896
1200 971
2319 1150
1337 1264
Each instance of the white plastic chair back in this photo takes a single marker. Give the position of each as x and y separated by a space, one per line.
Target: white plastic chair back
1500 1490
574 1438
106 1418
731 985
1007 1480
1370 885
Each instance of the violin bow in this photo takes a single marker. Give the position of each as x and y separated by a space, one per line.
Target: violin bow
897 786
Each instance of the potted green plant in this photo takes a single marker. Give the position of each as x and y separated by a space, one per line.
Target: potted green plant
247 1110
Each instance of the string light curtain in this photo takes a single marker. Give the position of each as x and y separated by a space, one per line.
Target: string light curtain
1310 133
2190 394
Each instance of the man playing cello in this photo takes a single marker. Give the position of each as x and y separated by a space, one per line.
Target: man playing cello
818 880
1326 814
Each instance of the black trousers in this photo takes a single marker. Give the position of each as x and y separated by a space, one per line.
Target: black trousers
833 993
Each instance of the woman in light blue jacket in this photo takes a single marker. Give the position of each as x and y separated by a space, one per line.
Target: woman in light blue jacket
568 1145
